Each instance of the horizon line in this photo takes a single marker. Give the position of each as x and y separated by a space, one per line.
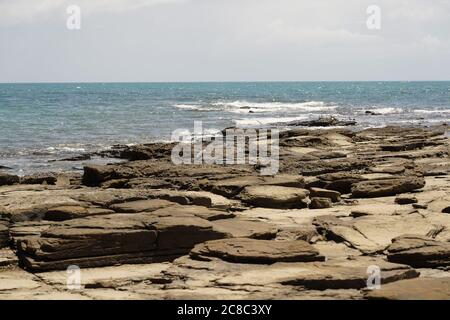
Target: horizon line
214 81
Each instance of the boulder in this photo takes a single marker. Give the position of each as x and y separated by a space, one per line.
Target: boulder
419 251
8 179
335 196
242 250
386 187
320 203
275 196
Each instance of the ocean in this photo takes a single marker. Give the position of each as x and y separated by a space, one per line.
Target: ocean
43 123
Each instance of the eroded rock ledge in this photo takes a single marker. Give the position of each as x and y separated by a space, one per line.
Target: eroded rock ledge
342 202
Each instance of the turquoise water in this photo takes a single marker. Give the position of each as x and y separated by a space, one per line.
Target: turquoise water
40 123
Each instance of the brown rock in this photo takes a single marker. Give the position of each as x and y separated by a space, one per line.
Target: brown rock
419 251
141 205
387 187
405 199
8 179
243 250
320 203
274 196
335 196
413 289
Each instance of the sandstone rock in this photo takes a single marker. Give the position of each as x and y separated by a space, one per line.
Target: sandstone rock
111 239
413 289
335 196
243 250
39 178
7 258
4 234
191 210
274 196
385 188
419 251
231 187
405 199
339 181
328 154
245 228
347 274
8 179
141 205
320 203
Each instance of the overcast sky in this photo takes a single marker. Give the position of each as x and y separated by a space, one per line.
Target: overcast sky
223 40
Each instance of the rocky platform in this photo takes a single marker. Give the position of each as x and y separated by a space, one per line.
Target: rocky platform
344 203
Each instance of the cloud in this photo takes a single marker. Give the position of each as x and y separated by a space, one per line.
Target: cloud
22 11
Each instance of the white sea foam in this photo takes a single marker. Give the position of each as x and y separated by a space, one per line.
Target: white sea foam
432 111
387 110
265 121
259 107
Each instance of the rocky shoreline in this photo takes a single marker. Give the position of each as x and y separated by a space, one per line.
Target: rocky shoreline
343 202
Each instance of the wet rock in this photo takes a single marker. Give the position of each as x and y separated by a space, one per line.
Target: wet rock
419 251
413 289
39 178
387 187
321 122
8 179
335 196
320 203
405 199
243 250
274 196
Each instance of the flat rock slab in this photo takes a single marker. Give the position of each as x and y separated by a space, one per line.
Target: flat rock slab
346 274
245 228
413 289
373 233
141 205
386 187
275 196
419 251
233 186
243 250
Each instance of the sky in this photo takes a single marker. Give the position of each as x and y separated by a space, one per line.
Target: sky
224 40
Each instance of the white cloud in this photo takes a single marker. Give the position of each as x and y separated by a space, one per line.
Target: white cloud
21 11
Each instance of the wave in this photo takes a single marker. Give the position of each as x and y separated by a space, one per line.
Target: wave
386 110
432 111
265 121
259 107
